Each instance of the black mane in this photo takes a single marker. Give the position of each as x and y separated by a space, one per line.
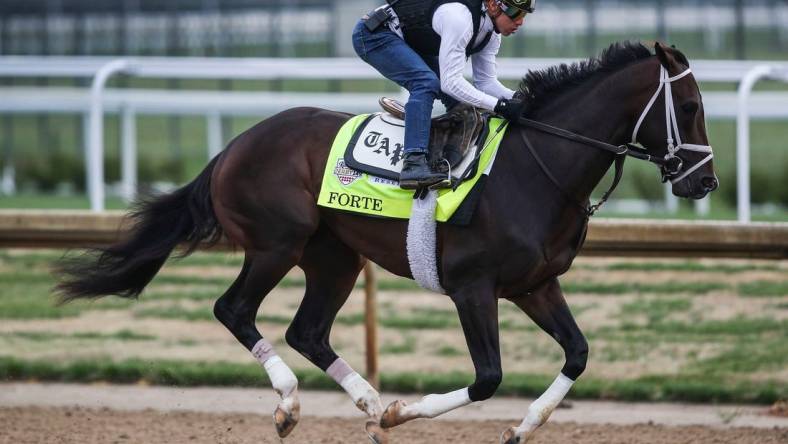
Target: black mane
537 87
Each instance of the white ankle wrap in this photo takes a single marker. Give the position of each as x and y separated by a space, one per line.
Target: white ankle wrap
283 380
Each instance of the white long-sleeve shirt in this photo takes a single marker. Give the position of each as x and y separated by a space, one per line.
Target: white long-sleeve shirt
454 23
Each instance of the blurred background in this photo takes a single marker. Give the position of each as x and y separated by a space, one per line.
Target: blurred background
175 123
149 90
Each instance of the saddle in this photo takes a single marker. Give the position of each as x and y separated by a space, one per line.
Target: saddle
451 134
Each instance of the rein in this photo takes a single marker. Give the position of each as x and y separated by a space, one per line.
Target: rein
619 151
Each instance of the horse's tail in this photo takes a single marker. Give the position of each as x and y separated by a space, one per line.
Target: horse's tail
161 223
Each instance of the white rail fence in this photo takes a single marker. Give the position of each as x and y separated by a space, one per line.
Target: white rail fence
213 104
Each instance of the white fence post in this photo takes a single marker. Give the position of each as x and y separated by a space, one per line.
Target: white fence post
214 134
671 201
743 140
703 206
128 151
8 181
94 157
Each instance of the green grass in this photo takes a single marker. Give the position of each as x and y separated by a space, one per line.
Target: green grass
199 314
739 326
170 279
399 284
622 351
421 318
27 300
184 374
687 266
52 202
618 288
26 293
42 336
448 350
175 312
655 309
745 357
208 259
408 345
764 289
196 293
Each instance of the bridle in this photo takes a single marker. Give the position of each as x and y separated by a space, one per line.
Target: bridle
671 166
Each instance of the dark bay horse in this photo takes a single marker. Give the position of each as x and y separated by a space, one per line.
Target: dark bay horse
261 193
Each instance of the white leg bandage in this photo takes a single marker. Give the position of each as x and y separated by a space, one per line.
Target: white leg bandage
283 380
367 399
431 406
543 406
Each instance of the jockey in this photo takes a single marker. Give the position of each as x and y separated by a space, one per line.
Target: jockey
423 45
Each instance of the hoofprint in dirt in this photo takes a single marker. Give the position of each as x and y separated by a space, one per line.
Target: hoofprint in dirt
67 425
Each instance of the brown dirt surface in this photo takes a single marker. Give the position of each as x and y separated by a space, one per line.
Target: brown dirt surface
89 426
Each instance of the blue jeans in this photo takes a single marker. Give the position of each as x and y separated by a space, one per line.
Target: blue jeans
398 62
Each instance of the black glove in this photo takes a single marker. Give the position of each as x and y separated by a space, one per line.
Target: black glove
509 109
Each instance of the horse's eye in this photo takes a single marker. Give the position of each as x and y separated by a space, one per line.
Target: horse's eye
690 107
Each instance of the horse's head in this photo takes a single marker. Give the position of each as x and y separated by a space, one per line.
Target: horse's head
672 127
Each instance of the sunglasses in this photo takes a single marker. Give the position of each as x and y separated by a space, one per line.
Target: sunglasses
515 13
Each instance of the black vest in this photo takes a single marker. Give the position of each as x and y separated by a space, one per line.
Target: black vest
415 19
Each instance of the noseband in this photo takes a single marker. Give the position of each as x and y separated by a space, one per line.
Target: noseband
672 167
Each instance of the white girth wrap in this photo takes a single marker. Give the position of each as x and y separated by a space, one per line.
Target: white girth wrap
422 254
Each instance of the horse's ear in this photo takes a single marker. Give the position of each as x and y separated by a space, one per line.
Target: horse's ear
664 57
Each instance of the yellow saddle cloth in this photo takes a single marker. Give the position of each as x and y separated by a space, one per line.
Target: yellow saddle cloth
346 189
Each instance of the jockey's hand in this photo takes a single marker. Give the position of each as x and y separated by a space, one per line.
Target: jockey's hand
509 109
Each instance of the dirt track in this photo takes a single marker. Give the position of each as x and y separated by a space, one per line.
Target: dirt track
97 413
86 426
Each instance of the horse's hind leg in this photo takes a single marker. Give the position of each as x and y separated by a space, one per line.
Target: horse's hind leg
547 307
237 310
331 269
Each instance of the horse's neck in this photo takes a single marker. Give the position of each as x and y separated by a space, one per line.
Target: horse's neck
599 110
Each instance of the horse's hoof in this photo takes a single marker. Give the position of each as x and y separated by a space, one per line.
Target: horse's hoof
393 415
286 421
510 436
376 434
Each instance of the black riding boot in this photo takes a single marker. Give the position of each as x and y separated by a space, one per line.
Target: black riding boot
416 173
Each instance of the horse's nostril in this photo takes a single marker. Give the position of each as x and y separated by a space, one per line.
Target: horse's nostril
710 183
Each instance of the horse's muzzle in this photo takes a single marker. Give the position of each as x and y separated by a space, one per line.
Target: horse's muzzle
709 183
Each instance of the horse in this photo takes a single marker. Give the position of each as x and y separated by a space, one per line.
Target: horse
528 226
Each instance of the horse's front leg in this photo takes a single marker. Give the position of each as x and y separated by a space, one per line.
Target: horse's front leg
478 311
547 307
